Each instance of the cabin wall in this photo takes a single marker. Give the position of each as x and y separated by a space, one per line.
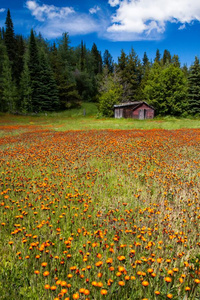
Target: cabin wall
143 112
119 113
128 112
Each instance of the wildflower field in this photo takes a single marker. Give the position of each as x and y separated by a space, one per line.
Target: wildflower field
99 214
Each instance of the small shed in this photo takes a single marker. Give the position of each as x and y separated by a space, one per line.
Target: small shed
135 110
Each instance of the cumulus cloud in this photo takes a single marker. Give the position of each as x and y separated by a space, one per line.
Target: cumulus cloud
2 10
43 12
53 20
74 25
94 9
146 19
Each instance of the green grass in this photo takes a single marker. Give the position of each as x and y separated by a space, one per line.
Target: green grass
86 118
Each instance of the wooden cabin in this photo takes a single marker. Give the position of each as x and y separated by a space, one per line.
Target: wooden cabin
135 110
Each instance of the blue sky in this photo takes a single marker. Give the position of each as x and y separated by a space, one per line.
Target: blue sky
145 25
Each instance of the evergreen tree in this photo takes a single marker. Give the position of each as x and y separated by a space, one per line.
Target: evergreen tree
9 91
145 61
64 52
68 94
158 56
83 57
108 61
122 73
85 85
55 63
175 61
25 90
10 42
185 70
64 74
20 51
146 66
97 59
134 74
34 71
194 88
166 57
152 87
48 94
3 53
130 72
122 61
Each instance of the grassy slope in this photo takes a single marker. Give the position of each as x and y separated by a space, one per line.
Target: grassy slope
74 119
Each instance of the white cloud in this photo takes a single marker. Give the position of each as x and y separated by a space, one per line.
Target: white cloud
114 3
2 10
74 25
146 19
53 21
43 12
94 9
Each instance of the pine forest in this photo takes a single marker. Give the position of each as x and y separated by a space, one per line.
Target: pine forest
38 76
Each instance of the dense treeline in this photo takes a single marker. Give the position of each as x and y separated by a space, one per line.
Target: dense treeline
38 76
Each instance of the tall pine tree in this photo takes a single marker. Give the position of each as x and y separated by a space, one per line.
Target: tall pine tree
108 61
34 71
10 42
97 59
9 91
25 90
49 100
194 88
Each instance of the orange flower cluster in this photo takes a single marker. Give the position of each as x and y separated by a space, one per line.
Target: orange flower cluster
101 214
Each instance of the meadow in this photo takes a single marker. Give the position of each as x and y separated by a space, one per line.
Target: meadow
99 209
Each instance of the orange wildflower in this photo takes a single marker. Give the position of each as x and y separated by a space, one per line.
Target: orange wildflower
47 286
168 279
145 283
75 296
104 292
121 283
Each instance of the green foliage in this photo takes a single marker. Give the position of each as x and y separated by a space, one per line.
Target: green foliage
34 70
26 91
49 94
130 72
9 92
20 53
157 58
85 85
111 94
108 61
194 88
10 42
97 59
48 78
166 90
166 57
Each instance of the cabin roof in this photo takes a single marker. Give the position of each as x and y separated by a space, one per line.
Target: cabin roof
134 105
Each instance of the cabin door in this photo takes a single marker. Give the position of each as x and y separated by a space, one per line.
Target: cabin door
142 114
